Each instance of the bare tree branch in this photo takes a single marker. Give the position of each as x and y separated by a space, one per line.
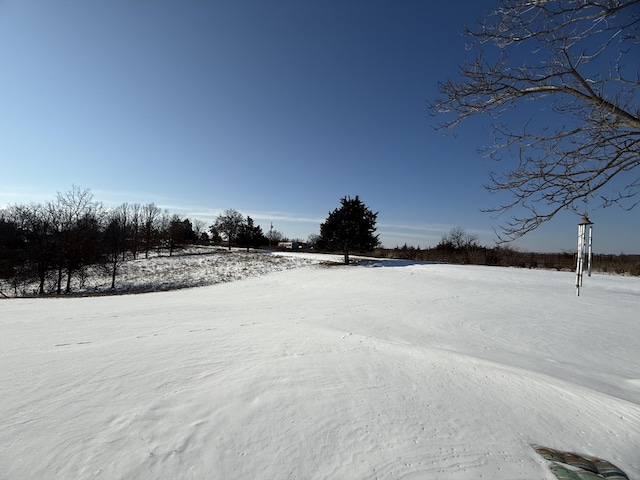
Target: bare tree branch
578 60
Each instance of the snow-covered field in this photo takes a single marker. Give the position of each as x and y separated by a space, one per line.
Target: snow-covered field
193 267
388 370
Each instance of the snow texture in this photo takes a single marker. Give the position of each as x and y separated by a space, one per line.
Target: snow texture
383 370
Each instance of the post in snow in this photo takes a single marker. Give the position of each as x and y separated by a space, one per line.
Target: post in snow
584 250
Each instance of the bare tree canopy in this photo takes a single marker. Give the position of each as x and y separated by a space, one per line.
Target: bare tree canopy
459 239
228 224
572 69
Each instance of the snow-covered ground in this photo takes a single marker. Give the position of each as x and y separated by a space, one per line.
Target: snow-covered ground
192 267
388 370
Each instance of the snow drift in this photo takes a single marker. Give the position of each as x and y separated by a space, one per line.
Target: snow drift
388 370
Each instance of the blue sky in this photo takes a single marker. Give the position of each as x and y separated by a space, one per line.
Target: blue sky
273 108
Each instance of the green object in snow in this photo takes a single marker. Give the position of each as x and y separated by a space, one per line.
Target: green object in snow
574 466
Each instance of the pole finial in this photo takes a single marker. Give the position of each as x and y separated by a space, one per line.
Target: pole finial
585 220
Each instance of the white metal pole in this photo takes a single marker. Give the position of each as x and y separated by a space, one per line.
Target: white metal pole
583 248
590 251
579 260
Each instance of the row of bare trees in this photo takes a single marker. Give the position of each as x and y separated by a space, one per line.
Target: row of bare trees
57 242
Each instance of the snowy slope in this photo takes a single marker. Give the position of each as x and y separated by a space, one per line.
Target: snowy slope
391 370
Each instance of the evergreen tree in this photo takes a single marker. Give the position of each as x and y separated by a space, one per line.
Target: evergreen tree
214 235
180 233
349 228
251 235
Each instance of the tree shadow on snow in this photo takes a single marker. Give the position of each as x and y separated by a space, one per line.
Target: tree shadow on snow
389 262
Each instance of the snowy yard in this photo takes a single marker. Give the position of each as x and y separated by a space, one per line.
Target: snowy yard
386 370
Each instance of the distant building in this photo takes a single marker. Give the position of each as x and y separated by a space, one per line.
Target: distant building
292 245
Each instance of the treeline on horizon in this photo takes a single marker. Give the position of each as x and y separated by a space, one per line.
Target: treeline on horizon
461 247
55 243
506 256
50 245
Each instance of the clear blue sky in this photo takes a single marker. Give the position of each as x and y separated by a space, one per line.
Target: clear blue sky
274 108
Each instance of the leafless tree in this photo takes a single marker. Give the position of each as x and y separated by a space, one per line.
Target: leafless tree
35 220
459 239
275 236
200 230
228 224
164 230
114 238
123 216
76 215
136 220
576 62
313 239
149 218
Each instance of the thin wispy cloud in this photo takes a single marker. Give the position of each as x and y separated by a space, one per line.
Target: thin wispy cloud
257 215
285 217
428 228
10 196
118 197
399 227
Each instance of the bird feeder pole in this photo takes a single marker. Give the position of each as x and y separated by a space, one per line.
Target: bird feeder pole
584 250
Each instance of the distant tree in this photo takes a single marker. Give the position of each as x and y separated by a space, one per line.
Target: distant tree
274 237
61 244
251 235
12 252
164 230
123 213
199 229
176 234
40 238
228 225
214 235
349 228
135 229
150 215
180 233
576 60
132 218
56 239
458 239
313 239
114 241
